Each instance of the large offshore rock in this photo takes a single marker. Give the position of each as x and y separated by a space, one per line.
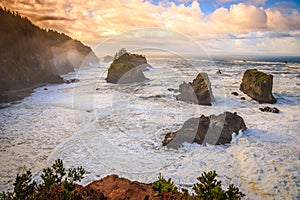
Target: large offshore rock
212 130
198 92
258 86
128 68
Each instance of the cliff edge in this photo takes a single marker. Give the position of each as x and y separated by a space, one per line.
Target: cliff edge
31 57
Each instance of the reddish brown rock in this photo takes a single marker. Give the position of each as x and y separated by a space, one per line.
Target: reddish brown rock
116 188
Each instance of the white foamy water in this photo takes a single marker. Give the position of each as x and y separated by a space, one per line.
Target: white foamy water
118 129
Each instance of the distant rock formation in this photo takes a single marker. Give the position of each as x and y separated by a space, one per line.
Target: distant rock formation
258 86
107 59
198 92
128 68
212 130
31 57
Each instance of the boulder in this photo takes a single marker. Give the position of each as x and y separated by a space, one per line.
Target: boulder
258 86
198 92
207 129
128 68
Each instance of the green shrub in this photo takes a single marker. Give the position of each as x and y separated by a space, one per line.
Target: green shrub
210 188
207 188
163 185
56 184
233 193
24 187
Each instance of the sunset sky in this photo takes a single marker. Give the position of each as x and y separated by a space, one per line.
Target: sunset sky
219 26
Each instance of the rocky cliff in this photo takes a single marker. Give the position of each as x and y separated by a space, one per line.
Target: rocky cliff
31 56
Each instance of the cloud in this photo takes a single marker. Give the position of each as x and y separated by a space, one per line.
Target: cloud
184 1
279 21
45 18
239 18
251 2
91 21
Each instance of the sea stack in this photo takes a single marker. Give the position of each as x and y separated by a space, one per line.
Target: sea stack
258 86
198 92
128 68
207 129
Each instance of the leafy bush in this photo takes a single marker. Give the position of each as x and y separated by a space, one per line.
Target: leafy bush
163 185
233 193
23 187
57 183
209 188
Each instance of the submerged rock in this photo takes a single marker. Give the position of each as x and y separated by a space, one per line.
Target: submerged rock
269 109
235 93
198 92
258 86
173 90
128 68
72 80
212 130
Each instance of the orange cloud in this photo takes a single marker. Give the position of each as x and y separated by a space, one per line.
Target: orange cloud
240 18
92 20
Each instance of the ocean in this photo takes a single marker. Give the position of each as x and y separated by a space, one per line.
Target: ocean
118 129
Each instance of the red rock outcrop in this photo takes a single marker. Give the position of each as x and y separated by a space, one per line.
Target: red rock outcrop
116 188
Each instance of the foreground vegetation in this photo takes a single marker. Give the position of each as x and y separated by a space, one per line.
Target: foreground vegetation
56 182
208 187
59 183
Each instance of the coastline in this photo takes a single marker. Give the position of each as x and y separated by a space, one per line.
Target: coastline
13 96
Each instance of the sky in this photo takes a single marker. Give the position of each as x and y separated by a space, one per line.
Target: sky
256 27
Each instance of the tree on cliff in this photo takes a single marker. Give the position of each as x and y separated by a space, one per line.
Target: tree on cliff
120 53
